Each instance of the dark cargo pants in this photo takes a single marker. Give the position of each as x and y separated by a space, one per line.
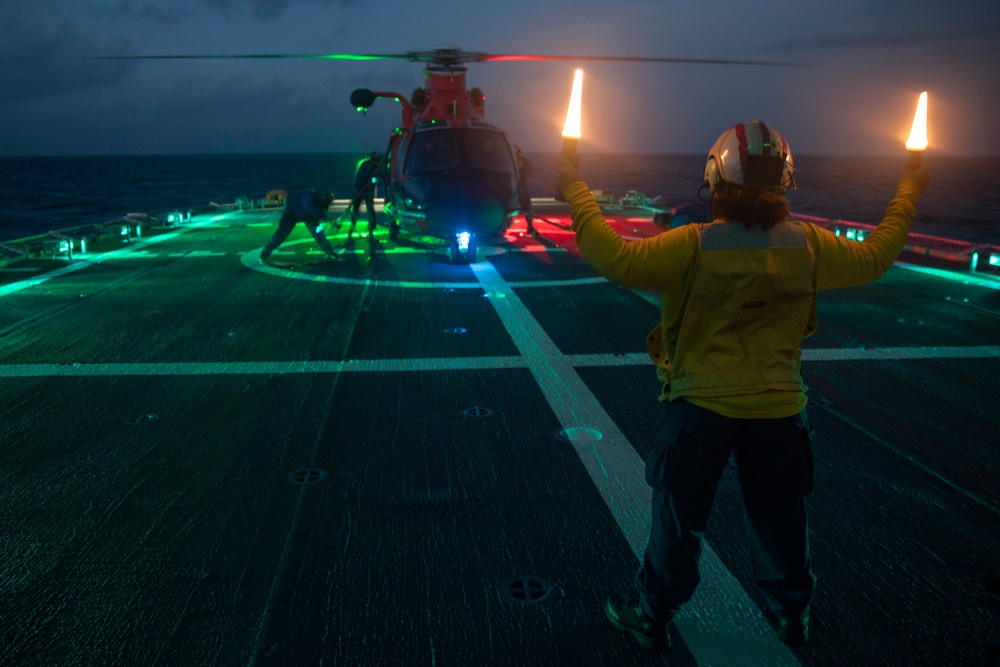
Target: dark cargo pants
774 462
285 226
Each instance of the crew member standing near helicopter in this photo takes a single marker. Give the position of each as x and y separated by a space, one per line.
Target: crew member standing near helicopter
365 182
739 295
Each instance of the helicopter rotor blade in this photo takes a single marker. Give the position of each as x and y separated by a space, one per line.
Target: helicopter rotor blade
266 56
633 59
447 58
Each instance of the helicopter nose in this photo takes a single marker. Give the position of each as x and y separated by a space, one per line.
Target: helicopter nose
464 207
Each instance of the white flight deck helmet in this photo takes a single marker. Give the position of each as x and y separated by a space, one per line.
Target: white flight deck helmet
751 154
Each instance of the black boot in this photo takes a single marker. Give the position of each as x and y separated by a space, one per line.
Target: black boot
628 615
793 630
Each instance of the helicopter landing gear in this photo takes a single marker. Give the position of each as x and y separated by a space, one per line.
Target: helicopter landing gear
462 249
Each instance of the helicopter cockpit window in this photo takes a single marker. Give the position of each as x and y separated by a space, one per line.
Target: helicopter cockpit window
475 149
487 150
432 151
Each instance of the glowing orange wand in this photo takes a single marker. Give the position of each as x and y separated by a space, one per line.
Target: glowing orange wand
917 142
571 128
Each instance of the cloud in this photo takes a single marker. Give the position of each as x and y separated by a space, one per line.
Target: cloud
35 64
127 9
267 9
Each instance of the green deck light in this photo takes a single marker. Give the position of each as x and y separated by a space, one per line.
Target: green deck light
994 259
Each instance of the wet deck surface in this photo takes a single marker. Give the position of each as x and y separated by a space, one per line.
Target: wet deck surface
210 461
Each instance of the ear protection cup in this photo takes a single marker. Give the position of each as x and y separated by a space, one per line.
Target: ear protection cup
712 176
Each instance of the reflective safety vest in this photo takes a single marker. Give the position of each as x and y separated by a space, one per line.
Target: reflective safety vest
749 299
737 302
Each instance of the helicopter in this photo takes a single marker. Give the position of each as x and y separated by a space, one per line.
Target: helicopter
448 173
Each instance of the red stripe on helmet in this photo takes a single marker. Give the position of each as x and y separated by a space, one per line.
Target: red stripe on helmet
741 135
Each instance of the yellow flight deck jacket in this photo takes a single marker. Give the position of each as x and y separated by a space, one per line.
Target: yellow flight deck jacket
737 302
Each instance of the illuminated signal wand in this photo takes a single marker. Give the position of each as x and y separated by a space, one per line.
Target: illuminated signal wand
571 128
917 141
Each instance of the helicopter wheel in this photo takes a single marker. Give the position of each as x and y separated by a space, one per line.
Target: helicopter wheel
468 256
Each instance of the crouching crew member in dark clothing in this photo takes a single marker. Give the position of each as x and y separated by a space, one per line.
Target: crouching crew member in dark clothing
739 295
306 206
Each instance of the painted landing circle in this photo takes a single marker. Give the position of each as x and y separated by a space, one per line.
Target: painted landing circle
251 260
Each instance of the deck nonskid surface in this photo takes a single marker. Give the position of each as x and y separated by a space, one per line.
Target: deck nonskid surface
211 461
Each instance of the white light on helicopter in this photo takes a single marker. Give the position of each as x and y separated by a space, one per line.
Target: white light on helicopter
571 128
463 241
918 131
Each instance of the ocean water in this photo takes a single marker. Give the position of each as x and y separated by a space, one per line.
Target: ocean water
40 194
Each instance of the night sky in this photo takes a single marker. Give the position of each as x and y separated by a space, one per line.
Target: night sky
860 67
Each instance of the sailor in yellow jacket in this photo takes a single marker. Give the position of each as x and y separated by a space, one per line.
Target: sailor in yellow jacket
739 295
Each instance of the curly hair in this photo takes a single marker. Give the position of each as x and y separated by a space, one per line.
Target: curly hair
754 207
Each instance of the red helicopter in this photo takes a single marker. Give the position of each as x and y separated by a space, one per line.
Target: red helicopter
448 173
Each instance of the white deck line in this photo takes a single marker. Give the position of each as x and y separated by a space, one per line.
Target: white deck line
721 625
450 363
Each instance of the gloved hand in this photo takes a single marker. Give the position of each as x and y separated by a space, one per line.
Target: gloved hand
566 174
916 171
